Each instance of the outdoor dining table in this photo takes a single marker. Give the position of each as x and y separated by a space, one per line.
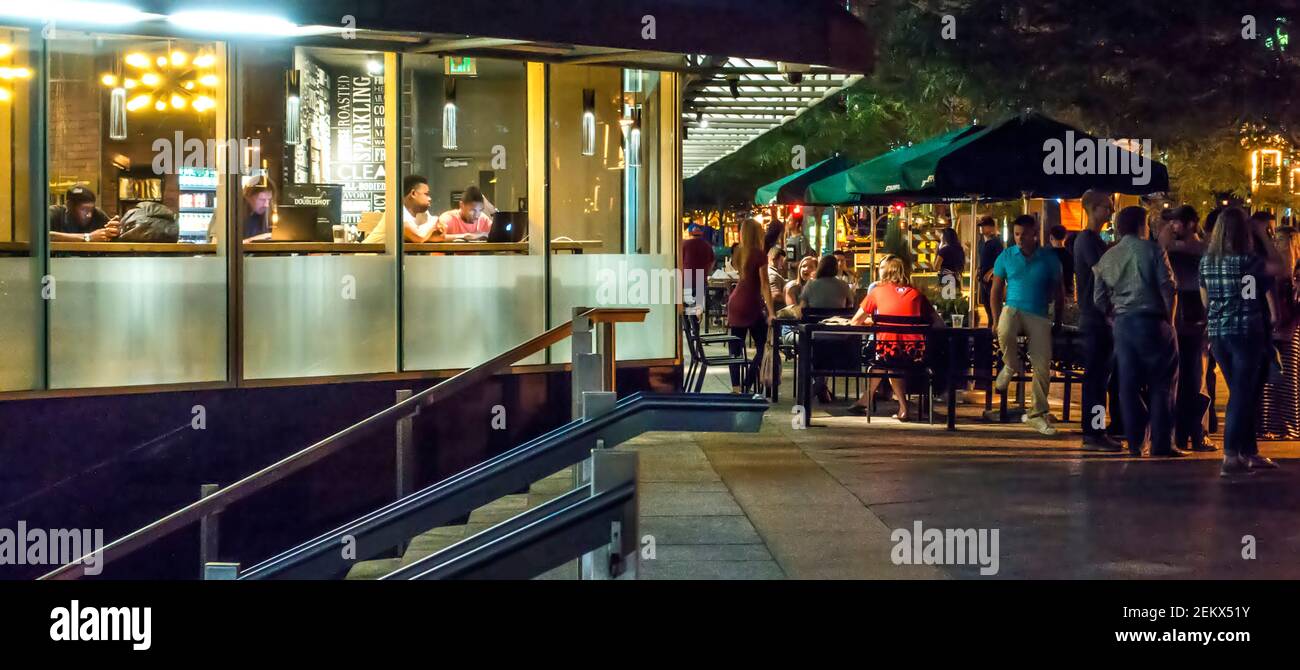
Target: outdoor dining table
968 353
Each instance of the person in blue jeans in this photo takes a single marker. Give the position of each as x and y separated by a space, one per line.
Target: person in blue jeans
1135 284
1235 286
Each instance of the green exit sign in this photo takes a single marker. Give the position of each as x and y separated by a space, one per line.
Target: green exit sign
462 65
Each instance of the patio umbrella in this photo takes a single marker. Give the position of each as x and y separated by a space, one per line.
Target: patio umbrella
879 180
789 189
1012 158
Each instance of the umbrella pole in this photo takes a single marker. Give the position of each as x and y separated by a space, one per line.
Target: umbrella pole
872 269
974 258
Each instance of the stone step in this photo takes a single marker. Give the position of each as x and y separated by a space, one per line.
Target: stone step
437 539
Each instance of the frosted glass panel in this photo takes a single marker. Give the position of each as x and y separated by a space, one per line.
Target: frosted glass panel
312 316
19 327
575 279
137 320
459 311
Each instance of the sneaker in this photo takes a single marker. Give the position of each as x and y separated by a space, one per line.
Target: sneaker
1101 442
1173 452
1257 462
1042 425
1004 378
1233 465
857 410
1206 444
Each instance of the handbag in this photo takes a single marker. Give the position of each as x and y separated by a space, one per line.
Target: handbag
767 369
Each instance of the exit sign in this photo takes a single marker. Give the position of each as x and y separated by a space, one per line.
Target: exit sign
463 65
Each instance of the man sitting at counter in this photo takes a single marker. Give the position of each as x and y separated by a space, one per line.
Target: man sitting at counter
468 221
417 225
257 227
80 220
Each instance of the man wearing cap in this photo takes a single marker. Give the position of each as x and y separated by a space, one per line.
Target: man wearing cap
79 220
697 261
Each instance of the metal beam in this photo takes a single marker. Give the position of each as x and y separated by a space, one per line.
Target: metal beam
756 94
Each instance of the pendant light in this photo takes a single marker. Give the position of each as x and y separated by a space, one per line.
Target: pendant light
588 122
293 107
634 140
449 113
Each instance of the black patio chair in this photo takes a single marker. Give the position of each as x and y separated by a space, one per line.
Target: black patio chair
907 355
701 359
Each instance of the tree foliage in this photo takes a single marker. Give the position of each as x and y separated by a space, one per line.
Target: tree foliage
1182 74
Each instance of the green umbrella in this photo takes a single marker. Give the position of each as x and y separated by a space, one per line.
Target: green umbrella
1006 160
789 189
880 179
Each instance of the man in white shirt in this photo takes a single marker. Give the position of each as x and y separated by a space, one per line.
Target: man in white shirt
417 225
468 221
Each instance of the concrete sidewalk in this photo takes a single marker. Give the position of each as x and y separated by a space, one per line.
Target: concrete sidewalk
822 502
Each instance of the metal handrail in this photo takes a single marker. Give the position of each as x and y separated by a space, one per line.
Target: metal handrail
441 503
273 473
541 545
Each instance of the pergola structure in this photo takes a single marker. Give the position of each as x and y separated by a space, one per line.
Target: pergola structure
730 102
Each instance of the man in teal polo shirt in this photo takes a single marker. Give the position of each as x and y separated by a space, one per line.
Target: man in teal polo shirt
1027 276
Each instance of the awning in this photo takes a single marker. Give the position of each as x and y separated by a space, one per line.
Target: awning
622 31
734 101
790 189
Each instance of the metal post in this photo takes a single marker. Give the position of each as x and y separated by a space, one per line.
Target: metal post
209 530
220 572
405 449
588 371
975 245
609 374
621 558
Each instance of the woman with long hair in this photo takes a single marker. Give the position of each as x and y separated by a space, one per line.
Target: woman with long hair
1236 287
893 295
952 257
750 308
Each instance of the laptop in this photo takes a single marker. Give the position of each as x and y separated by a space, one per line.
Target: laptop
508 226
298 224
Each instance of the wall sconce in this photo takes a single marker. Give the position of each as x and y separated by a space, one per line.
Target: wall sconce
588 122
449 113
9 74
292 107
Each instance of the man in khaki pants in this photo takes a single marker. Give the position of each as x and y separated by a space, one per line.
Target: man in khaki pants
1026 276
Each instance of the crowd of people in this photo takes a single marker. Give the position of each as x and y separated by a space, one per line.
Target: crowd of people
1162 300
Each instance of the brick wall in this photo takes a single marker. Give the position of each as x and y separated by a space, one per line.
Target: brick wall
74 124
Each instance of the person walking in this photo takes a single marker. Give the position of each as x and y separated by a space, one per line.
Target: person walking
1026 277
1182 241
1134 283
1098 341
1236 287
749 308
990 247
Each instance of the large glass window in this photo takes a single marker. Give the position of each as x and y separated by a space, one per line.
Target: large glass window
473 261
137 160
319 282
21 308
611 222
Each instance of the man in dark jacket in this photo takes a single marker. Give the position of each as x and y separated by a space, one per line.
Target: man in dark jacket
79 220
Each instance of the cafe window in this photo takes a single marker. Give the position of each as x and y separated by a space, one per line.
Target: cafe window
137 160
319 275
21 305
472 260
611 132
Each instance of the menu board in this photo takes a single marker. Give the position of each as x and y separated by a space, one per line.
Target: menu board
357 129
